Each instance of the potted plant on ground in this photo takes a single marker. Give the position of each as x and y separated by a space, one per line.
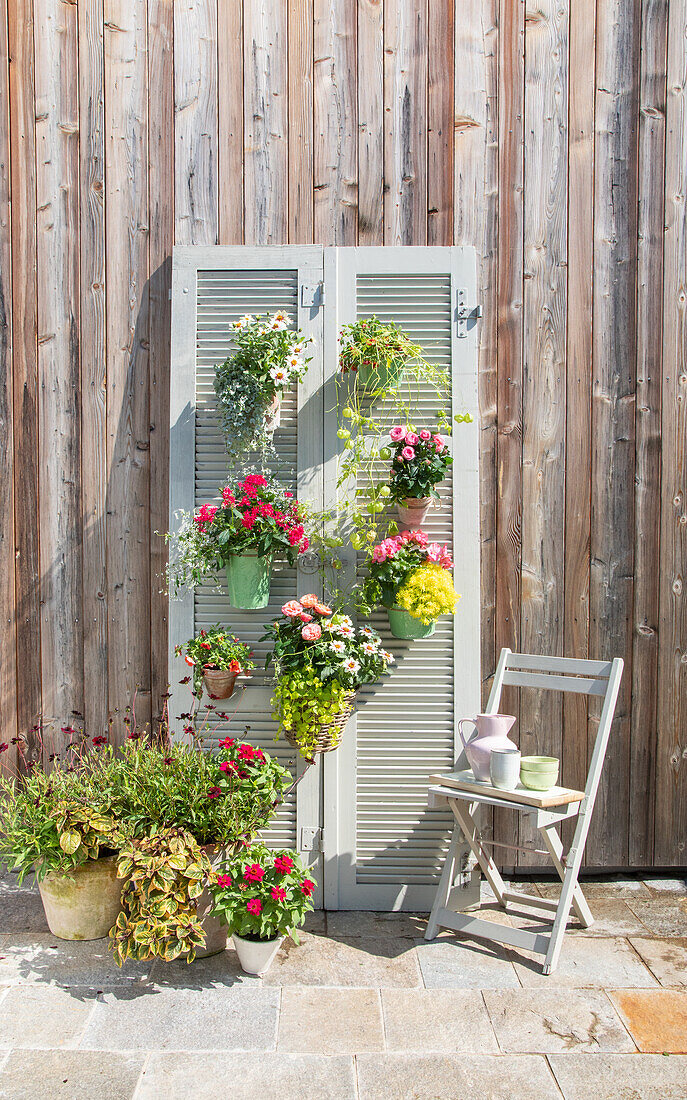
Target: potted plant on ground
262 896
269 358
320 661
251 524
62 826
409 575
420 461
217 658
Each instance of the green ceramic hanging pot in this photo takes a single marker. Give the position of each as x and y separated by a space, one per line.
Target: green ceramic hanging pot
404 625
248 580
381 376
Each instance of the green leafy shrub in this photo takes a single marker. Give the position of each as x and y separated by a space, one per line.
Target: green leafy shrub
261 893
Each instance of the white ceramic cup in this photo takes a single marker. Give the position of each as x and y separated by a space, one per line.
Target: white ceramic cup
504 768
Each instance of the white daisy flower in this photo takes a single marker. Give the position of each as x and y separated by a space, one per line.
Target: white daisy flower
369 647
344 620
346 631
247 319
294 362
238 324
388 657
351 665
297 349
279 374
367 631
338 646
280 316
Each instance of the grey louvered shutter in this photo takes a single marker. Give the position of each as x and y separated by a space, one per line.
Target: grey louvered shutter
213 287
382 843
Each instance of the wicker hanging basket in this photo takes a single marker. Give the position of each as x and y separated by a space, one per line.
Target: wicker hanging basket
328 734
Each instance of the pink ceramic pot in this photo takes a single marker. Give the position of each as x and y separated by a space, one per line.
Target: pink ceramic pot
491 733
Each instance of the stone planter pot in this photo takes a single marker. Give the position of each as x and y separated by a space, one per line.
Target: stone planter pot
412 513
248 580
273 415
404 625
216 933
256 956
84 903
219 683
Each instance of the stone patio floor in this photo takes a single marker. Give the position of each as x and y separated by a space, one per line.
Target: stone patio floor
362 1009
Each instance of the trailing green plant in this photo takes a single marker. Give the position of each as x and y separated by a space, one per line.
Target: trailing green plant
269 357
215 649
164 876
261 893
420 461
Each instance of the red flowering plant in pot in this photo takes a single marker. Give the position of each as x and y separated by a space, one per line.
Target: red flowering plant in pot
420 461
252 523
217 658
262 896
410 576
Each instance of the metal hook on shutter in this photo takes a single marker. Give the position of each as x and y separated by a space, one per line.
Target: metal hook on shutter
464 313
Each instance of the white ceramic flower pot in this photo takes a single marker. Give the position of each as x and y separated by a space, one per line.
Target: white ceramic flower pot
256 956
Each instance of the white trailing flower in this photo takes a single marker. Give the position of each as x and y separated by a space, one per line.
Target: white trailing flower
351 665
369 647
388 657
279 375
294 362
338 646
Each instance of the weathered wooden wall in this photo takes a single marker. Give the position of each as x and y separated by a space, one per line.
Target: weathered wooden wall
551 135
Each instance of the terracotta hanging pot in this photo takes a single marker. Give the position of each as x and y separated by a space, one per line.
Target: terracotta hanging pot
219 683
412 512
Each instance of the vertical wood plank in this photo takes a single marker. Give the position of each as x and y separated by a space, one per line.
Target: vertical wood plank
196 125
613 401
510 352
336 123
405 122
25 363
128 538
161 200
579 377
652 107
440 121
230 120
671 761
93 363
301 121
8 633
265 96
544 335
370 73
57 256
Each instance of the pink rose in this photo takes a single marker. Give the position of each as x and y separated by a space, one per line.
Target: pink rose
408 453
397 433
311 632
412 438
439 440
425 435
291 609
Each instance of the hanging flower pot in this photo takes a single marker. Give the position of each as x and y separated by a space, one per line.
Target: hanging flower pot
404 625
248 580
382 376
256 956
83 903
412 512
273 415
219 683
325 735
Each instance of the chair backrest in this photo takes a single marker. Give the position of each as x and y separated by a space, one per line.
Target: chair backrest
602 678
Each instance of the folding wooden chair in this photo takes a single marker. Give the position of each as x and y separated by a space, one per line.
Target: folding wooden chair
556 674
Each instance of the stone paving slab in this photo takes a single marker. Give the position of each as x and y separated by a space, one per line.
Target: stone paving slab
43 1016
586 963
69 1074
461 963
663 886
355 924
450 1021
620 1076
665 916
330 1021
454 1077
45 958
21 911
618 889
554 1021
656 1019
611 918
241 1017
244 1077
359 961
666 958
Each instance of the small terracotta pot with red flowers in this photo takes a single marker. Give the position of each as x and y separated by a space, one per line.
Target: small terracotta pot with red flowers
262 895
217 658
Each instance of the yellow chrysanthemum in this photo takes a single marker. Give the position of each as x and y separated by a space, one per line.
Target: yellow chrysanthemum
428 593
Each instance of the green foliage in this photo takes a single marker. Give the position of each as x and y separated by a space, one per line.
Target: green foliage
261 893
268 358
215 649
164 875
302 702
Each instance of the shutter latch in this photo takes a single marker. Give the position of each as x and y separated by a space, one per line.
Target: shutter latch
464 313
311 839
312 294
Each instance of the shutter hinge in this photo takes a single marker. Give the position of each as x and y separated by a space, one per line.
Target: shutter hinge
464 313
312 839
312 294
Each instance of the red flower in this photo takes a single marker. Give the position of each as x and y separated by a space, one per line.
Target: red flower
136 736
227 742
278 893
307 887
205 645
97 741
246 752
283 864
254 906
3 746
227 766
305 618
189 660
224 881
214 792
169 760
254 872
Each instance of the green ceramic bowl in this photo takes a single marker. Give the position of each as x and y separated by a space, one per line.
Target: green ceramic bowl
539 773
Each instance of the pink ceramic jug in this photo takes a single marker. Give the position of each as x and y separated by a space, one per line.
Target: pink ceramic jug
491 733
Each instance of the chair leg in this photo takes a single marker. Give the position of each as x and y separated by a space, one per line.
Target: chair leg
470 830
572 871
445 883
555 848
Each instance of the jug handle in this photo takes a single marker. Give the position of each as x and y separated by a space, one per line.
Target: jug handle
460 730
